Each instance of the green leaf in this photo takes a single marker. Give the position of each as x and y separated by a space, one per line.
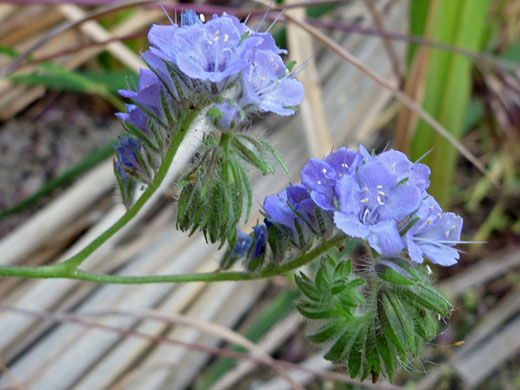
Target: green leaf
325 333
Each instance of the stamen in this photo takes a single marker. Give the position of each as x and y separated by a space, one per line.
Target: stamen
366 189
277 83
428 269
271 60
344 165
381 193
217 32
453 227
319 182
262 78
276 67
324 170
379 187
439 215
286 71
447 234
428 221
202 18
210 42
364 200
379 201
226 37
216 38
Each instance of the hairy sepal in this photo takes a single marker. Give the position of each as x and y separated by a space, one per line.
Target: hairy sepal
373 322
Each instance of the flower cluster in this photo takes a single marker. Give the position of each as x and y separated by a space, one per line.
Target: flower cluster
378 198
221 69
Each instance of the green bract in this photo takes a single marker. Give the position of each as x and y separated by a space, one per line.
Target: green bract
372 321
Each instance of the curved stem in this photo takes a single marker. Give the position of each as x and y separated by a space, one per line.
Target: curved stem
69 267
59 271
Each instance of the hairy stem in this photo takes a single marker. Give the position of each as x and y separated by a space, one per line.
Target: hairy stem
69 267
59 271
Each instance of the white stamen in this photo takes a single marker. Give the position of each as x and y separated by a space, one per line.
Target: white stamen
366 189
202 18
277 83
453 227
210 42
341 174
428 269
364 200
439 215
226 37
276 67
381 193
217 32
428 221
344 165
379 187
379 201
447 234
271 60
324 170
286 71
319 182
262 78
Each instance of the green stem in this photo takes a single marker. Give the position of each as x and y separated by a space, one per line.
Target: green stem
75 261
59 271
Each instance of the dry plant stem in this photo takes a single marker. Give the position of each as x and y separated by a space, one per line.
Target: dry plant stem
312 111
392 55
329 43
208 327
79 320
109 9
414 87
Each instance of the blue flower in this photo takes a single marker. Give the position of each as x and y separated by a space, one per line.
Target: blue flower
212 51
279 212
127 155
320 176
190 17
267 85
398 163
434 234
372 203
242 244
230 115
260 241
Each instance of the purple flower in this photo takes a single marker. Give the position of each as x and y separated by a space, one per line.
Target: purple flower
212 51
268 87
127 154
320 176
434 234
278 211
398 163
372 203
260 241
242 244
230 115
148 96
190 17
